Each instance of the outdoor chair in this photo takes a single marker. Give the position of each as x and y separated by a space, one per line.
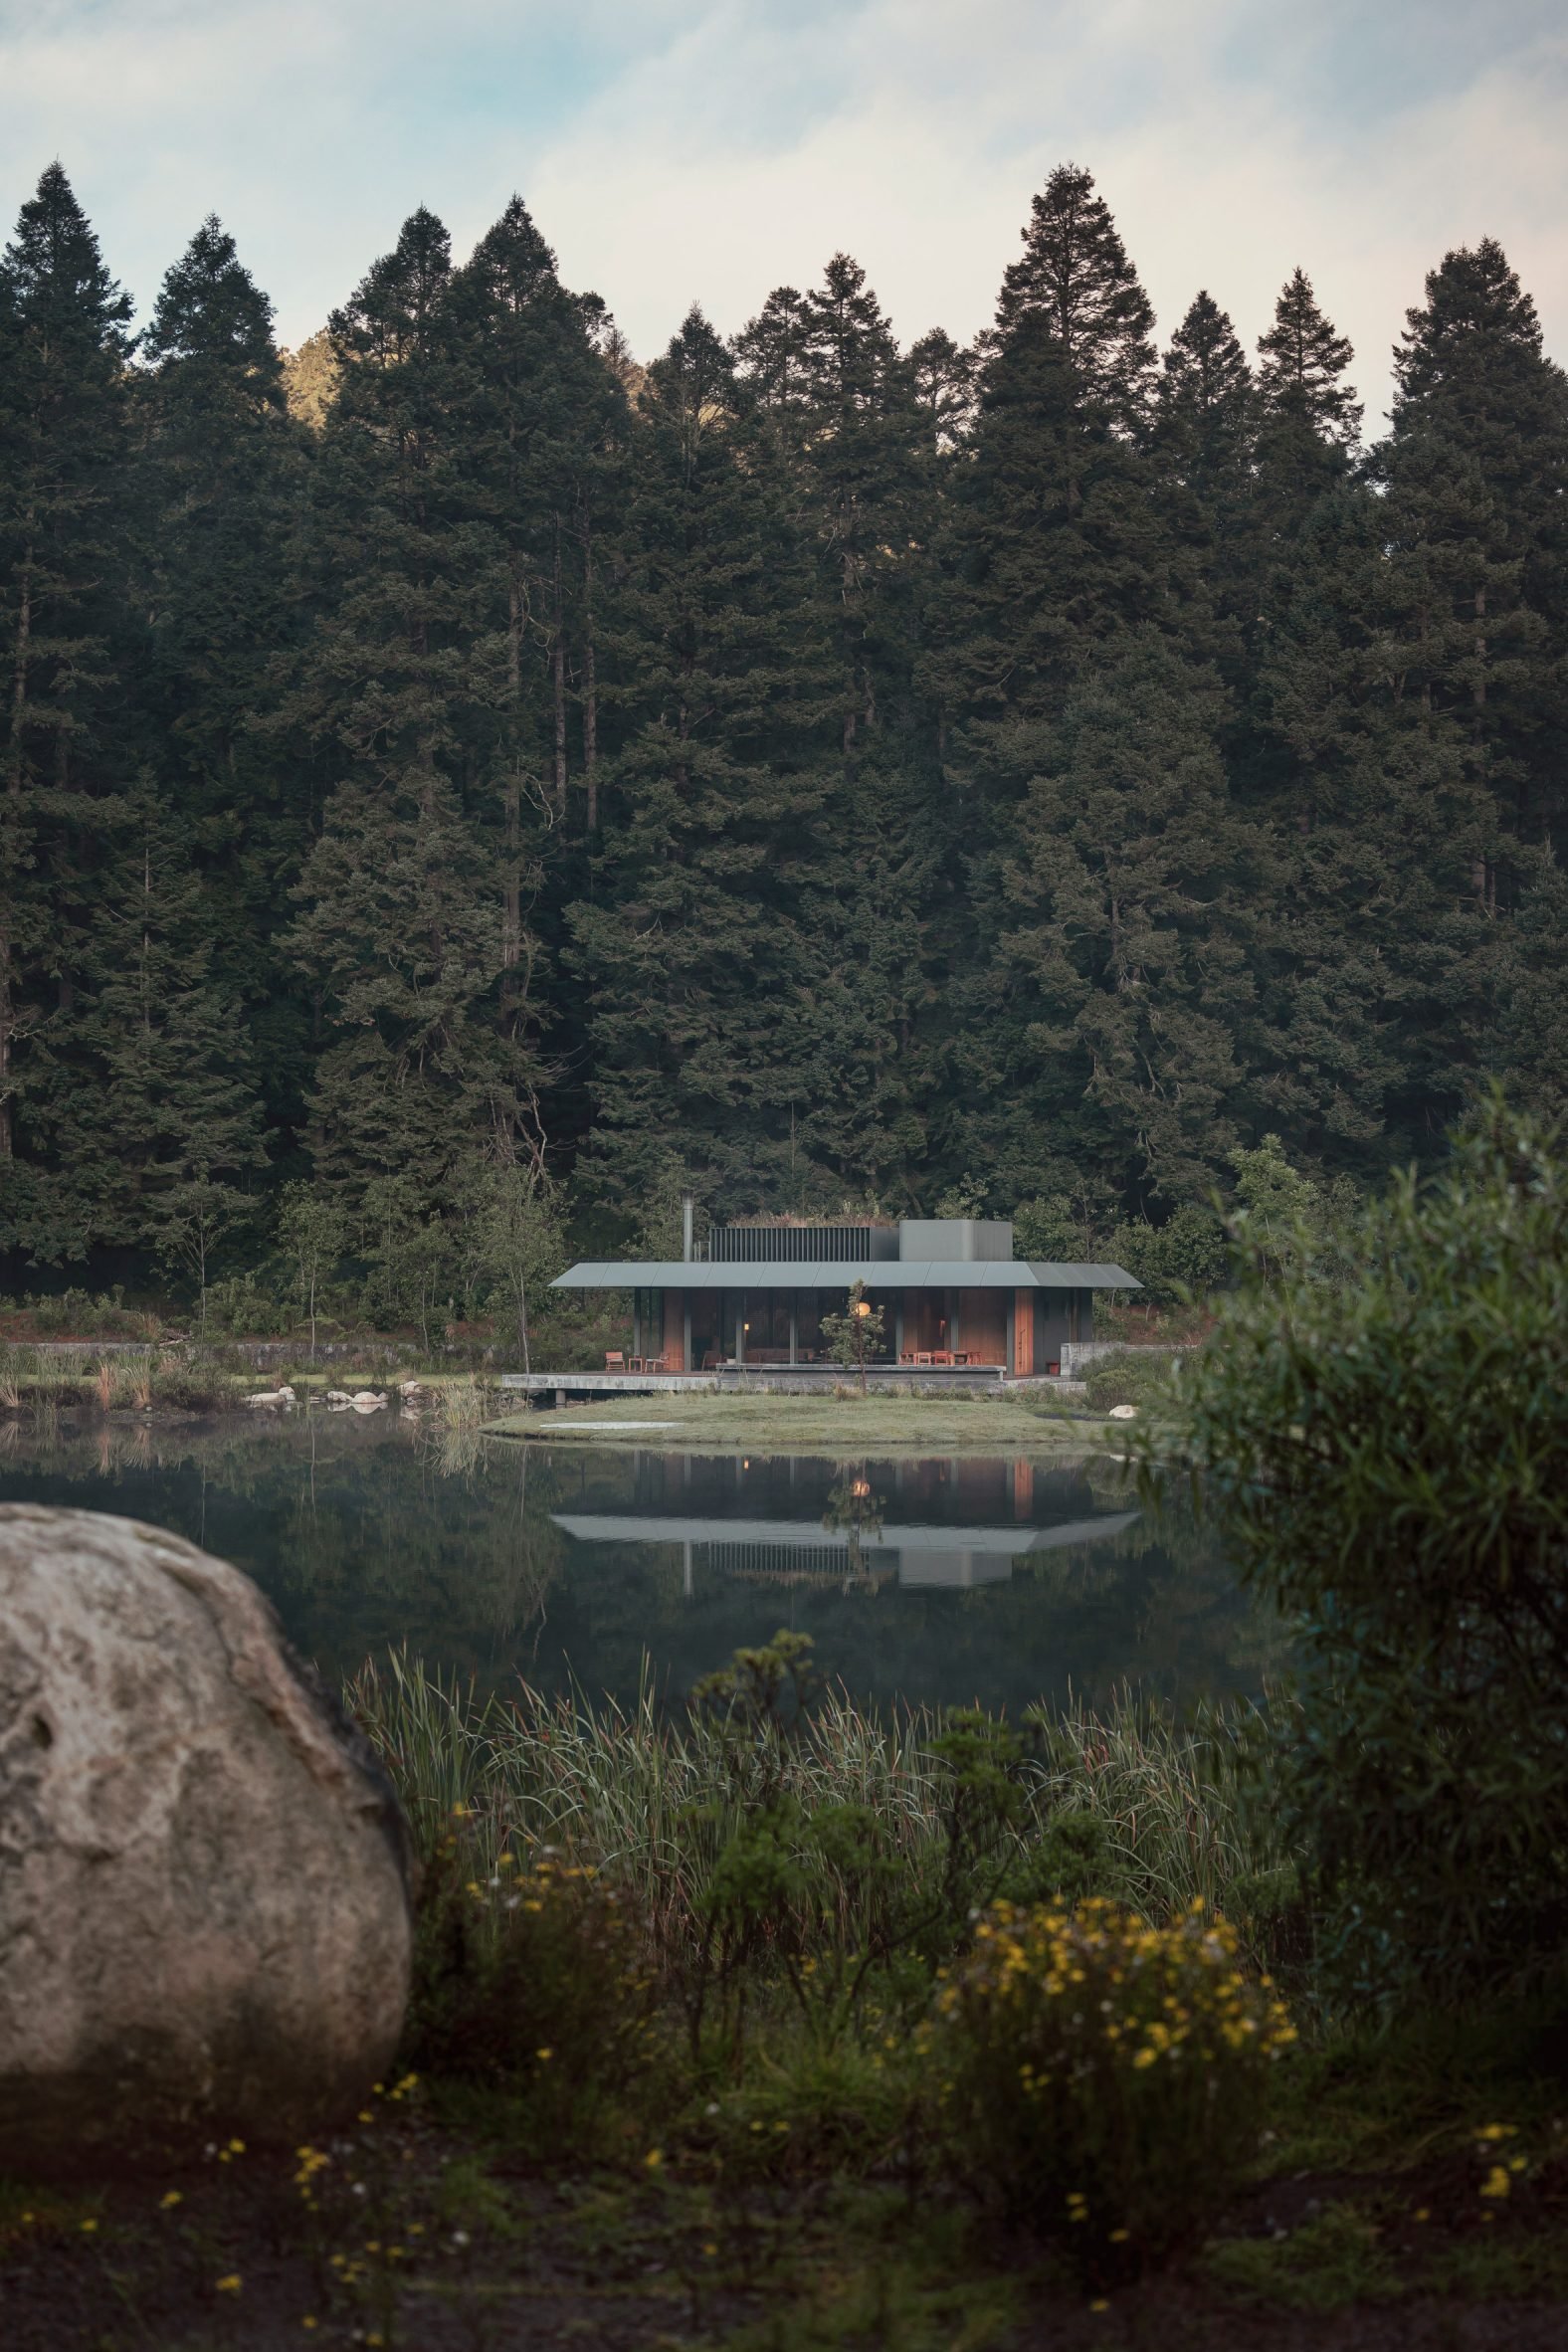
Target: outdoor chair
614 1359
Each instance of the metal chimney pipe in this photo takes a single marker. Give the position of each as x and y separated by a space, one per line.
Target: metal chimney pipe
686 1227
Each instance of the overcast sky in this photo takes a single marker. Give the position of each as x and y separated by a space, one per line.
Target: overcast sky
680 150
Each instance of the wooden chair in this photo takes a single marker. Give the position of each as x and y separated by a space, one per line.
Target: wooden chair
614 1359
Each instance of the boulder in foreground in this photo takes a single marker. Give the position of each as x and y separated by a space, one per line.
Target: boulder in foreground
204 1915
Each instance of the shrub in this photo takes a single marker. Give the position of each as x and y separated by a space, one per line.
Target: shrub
246 1308
1386 1458
1101 2078
1133 1376
1189 1252
530 1976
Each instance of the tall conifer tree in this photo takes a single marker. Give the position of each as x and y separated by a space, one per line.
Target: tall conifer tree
1128 936
1475 472
63 443
403 921
690 948
222 480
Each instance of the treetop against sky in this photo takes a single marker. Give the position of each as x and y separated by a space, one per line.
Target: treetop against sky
681 149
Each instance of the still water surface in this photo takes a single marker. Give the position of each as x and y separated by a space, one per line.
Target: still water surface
970 1578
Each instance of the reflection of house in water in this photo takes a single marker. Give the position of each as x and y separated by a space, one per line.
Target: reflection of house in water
802 1551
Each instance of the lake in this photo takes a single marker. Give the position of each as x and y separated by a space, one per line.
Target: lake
934 1580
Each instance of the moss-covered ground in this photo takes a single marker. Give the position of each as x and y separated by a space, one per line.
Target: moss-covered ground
451 2226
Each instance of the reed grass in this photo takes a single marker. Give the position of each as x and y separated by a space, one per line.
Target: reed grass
652 1798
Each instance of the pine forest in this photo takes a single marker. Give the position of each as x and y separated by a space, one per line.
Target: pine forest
457 765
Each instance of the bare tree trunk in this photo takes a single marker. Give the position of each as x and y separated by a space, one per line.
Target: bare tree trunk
558 680
590 681
512 885
14 769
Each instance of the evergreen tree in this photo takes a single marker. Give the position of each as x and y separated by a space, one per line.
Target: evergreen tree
1309 422
1204 407
1372 946
943 376
1128 939
1056 543
827 369
540 424
1521 1038
403 923
1304 365
156 1094
1075 276
63 440
690 948
221 477
1204 440
1475 472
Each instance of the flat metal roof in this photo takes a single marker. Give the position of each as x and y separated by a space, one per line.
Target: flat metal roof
877 1273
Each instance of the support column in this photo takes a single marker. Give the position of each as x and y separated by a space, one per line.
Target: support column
741 1327
794 1328
637 1322
674 1300
1023 1333
897 1326
685 1331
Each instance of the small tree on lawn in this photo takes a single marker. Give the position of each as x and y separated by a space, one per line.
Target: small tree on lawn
856 1336
311 1228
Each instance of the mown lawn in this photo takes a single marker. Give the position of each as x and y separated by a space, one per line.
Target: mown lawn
849 1424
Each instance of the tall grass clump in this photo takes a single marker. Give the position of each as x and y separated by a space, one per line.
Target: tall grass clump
1118 1801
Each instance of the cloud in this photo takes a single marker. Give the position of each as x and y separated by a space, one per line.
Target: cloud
709 149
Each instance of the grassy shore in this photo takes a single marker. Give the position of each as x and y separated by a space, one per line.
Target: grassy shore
830 1424
653 2101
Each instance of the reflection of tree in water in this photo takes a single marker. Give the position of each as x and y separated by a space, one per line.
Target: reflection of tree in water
854 1511
359 1535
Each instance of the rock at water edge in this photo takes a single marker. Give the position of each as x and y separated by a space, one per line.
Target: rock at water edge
204 1913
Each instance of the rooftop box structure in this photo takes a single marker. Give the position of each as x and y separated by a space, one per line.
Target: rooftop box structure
951 1295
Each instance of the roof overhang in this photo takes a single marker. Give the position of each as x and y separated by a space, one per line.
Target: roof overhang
877 1273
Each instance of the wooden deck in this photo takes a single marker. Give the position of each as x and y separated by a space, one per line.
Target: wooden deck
757 1379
